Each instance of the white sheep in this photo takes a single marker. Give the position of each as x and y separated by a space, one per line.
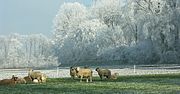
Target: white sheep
84 73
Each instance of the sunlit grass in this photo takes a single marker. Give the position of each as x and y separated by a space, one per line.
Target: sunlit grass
153 84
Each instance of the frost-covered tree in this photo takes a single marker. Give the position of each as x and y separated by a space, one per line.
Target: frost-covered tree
108 11
66 24
160 19
135 31
68 19
26 51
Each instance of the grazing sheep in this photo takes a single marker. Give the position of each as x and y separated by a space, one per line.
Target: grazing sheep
21 81
11 81
72 72
84 73
103 73
35 75
114 76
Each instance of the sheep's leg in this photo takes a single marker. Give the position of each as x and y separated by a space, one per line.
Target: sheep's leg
81 79
91 79
109 76
39 80
87 80
101 77
72 77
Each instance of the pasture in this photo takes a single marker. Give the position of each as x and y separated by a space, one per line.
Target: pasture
138 84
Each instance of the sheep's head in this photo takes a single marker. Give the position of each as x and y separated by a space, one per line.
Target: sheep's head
77 69
30 70
97 69
14 78
72 68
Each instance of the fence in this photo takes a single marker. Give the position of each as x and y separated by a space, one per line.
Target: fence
122 70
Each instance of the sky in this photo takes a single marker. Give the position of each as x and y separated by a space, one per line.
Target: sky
30 16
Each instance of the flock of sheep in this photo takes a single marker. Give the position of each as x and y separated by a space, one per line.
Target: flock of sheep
87 73
79 72
33 77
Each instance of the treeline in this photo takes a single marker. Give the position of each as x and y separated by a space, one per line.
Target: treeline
131 32
24 51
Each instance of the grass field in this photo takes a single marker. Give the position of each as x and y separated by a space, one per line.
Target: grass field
145 84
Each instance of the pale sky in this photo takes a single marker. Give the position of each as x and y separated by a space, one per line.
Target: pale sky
29 16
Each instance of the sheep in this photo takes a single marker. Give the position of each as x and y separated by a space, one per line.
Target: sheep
72 72
11 81
104 73
28 79
35 75
84 73
114 76
21 81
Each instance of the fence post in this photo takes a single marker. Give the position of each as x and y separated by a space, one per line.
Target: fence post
134 69
57 72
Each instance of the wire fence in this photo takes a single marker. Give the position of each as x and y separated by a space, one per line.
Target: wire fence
126 70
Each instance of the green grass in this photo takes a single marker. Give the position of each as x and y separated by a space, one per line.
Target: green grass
145 84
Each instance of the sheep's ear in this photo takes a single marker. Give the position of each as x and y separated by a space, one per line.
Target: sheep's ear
29 69
97 68
12 76
78 68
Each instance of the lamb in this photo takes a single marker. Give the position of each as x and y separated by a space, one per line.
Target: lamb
11 81
37 75
84 73
104 73
114 76
72 72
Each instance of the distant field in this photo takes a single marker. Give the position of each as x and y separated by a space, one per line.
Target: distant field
151 84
